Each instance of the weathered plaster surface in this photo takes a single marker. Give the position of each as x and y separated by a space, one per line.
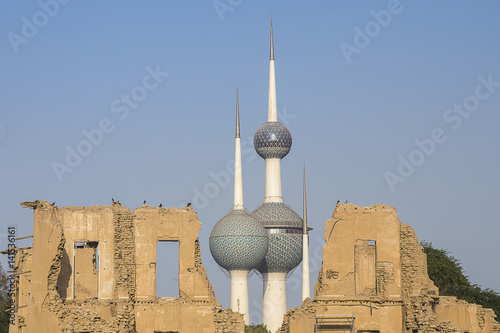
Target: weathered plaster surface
93 269
375 270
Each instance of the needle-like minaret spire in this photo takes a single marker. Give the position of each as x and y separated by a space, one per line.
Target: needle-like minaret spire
304 209
237 114
306 288
271 57
238 178
272 107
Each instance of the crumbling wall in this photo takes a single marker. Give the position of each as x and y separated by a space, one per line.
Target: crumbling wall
22 275
367 315
361 253
53 308
385 277
48 237
306 313
196 295
360 275
416 281
424 310
109 242
124 264
454 313
405 299
419 292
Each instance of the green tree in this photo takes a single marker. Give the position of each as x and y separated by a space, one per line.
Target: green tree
256 328
4 302
448 275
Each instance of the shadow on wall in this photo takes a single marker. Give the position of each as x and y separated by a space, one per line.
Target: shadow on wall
64 276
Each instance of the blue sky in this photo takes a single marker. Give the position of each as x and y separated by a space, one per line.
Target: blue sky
355 116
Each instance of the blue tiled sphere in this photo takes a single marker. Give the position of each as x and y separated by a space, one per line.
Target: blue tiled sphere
284 228
272 140
238 241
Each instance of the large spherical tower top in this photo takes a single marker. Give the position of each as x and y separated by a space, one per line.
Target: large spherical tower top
238 241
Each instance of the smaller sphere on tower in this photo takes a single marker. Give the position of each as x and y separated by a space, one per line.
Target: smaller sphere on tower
272 140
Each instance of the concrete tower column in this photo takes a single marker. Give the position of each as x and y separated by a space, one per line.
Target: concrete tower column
273 180
274 301
306 286
239 294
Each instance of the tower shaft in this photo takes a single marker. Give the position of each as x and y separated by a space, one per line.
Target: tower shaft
273 180
239 294
306 287
272 109
238 175
274 300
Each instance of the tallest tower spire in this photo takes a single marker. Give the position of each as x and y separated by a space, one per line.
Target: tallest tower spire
272 142
271 57
272 110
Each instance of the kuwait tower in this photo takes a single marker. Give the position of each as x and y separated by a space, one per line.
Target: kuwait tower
238 242
284 227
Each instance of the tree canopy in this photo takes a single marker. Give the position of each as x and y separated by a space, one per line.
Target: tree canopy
448 275
4 302
256 328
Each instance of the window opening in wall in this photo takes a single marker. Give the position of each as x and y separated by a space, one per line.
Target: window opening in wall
167 269
86 270
365 259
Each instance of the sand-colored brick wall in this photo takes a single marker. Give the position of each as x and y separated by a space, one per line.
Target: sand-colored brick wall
91 271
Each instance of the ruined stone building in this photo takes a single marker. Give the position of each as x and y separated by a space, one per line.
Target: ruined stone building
374 279
93 269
